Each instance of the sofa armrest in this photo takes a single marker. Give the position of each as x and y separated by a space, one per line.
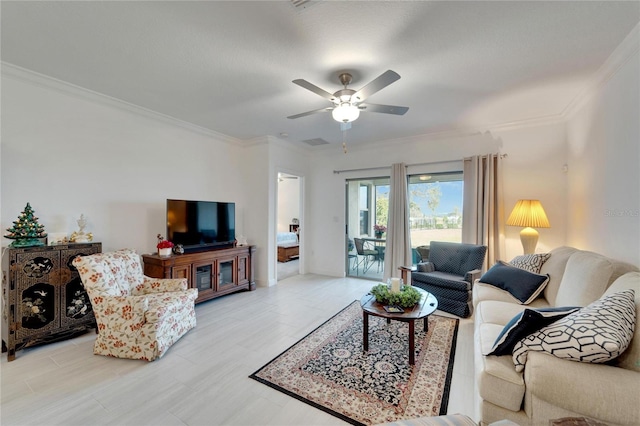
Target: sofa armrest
160 285
598 391
472 276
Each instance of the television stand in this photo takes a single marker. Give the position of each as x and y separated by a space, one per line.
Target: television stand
213 273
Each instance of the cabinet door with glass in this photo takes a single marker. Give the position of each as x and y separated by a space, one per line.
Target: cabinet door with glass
227 272
205 279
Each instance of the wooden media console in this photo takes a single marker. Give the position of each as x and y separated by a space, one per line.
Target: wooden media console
214 273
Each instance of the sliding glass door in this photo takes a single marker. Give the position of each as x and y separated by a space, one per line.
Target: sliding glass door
367 202
435 204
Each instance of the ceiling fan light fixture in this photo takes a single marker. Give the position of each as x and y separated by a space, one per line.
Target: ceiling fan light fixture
345 113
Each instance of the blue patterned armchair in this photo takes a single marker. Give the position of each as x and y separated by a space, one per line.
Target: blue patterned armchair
449 275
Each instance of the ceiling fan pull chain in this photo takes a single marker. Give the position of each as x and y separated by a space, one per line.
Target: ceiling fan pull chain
344 141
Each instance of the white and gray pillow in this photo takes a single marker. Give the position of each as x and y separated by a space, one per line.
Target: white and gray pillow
596 333
530 262
523 324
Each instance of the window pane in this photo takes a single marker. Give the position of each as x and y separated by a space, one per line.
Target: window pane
435 203
382 204
364 222
364 197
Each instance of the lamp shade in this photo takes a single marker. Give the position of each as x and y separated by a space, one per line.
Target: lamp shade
345 113
528 213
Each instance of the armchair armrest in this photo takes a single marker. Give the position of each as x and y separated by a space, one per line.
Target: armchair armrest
472 276
404 272
160 285
597 391
120 313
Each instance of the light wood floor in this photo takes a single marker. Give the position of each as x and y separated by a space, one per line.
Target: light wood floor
203 378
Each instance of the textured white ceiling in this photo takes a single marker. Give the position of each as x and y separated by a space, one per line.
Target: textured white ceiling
228 65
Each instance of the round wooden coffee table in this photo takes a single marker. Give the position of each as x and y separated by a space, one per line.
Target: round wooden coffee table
425 307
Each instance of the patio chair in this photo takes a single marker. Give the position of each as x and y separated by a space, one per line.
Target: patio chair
366 256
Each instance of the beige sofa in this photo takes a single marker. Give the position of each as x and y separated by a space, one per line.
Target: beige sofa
550 387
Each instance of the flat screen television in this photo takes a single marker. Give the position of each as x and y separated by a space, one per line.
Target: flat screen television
199 225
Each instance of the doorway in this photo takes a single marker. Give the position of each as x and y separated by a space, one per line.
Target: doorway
288 225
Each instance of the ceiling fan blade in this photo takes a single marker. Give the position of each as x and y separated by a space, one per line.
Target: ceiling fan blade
386 109
315 89
385 79
315 111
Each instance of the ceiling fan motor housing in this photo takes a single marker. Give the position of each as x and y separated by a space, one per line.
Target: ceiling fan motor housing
343 95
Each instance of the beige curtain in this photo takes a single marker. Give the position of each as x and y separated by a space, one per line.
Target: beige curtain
482 218
398 246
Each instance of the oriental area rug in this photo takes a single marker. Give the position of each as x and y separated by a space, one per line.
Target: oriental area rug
328 370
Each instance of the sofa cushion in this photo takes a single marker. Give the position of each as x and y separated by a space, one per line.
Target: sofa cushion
521 284
525 323
597 333
442 279
530 262
498 382
585 279
554 267
629 359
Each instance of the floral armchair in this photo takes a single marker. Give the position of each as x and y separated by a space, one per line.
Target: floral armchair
138 317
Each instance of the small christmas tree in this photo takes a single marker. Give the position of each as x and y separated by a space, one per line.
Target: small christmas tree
26 231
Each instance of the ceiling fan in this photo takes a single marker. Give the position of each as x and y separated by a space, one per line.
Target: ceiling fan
347 103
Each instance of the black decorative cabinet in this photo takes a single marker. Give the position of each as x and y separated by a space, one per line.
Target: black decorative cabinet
44 296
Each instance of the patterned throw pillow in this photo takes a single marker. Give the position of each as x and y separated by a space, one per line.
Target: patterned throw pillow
525 323
596 333
530 262
521 284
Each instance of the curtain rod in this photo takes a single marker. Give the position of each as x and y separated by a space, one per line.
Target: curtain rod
337 172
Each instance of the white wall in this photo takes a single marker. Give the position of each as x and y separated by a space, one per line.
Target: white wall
262 161
604 167
533 168
68 152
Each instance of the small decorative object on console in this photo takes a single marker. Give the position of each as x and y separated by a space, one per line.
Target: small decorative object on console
407 297
164 246
178 249
79 236
26 231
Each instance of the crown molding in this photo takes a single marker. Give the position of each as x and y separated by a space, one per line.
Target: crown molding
260 140
41 80
620 56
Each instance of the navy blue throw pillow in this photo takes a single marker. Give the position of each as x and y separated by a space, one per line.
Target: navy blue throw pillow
524 324
522 284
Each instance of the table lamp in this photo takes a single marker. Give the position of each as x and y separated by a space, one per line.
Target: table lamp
530 214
